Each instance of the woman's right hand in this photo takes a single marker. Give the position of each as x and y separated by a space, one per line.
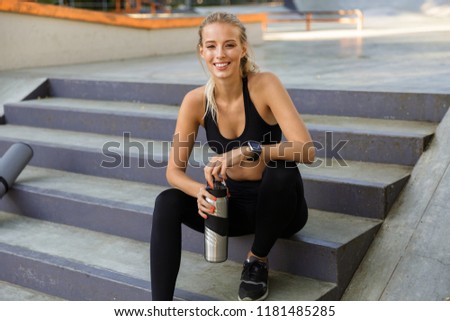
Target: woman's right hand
218 165
202 203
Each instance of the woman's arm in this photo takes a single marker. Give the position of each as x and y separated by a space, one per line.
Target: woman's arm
189 119
186 129
298 146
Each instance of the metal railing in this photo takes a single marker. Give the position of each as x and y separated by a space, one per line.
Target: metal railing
123 6
145 5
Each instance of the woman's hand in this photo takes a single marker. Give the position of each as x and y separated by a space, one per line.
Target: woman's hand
218 165
202 203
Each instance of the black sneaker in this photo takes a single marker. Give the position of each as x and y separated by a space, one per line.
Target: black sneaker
254 280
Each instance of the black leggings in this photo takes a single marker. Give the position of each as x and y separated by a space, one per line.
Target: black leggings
271 208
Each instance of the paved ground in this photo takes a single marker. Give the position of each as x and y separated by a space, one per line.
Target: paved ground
407 52
401 52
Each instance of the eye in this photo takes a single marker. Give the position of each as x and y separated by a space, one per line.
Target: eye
230 45
210 46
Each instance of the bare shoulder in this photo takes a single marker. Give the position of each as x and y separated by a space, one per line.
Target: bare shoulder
262 81
194 103
195 97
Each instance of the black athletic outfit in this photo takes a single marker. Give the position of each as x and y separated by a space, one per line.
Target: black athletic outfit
271 208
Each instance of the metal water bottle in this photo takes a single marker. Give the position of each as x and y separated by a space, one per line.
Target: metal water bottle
216 225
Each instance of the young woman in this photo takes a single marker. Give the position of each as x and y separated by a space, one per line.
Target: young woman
244 112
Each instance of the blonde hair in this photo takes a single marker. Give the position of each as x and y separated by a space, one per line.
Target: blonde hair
247 64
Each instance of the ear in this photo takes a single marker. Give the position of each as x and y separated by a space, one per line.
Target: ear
244 51
200 51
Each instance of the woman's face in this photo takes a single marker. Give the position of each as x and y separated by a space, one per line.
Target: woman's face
222 49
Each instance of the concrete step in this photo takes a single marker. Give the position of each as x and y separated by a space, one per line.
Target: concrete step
365 189
114 206
383 105
125 209
370 104
356 188
16 89
155 121
90 265
100 152
352 138
14 292
370 140
330 247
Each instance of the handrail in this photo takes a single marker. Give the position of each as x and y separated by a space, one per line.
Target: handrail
348 16
60 12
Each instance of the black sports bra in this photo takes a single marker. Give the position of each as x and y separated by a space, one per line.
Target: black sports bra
255 128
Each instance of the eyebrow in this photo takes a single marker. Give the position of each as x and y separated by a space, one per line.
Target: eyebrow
214 41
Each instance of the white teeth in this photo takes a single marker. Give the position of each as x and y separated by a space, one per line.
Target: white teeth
221 65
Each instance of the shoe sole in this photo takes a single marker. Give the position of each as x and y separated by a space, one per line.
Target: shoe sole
259 299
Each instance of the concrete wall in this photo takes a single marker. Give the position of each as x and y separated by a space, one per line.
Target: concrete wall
410 258
34 41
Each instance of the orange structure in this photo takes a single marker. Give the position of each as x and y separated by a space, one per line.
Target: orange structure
29 7
129 6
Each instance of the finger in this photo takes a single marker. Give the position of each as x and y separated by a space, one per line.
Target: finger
216 172
209 198
223 172
203 204
206 209
208 176
206 206
202 214
210 172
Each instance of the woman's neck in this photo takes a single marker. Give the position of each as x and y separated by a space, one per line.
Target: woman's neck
228 89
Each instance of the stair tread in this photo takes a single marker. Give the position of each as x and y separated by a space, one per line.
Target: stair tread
373 126
386 127
356 172
327 169
76 140
115 107
60 137
13 292
131 258
322 226
88 187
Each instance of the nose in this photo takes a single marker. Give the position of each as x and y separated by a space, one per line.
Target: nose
220 52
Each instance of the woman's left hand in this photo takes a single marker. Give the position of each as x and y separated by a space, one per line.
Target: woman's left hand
218 165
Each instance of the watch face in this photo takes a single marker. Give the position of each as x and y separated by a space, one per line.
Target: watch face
254 146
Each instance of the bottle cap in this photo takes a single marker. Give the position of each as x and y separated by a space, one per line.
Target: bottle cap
219 189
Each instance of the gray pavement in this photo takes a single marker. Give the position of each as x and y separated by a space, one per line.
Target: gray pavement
396 52
407 52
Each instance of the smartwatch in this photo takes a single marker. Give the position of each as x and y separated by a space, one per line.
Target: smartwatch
255 148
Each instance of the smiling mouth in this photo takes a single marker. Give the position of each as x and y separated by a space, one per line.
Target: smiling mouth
221 65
